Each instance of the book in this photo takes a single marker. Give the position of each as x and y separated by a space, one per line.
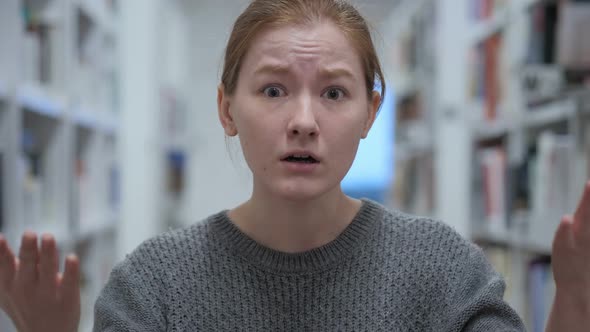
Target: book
82 190
414 185
114 195
32 189
586 152
501 259
487 77
573 46
551 184
541 290
41 36
2 195
542 33
491 167
481 10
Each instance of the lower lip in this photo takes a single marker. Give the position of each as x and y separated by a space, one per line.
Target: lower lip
300 167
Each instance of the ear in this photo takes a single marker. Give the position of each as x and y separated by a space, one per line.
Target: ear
223 110
372 109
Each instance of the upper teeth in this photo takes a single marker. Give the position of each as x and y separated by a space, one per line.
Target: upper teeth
301 156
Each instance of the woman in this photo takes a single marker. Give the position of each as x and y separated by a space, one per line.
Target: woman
297 88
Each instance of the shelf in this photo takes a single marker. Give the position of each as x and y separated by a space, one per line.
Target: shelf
110 124
38 5
548 114
98 226
66 238
3 90
582 96
408 150
533 245
99 14
107 124
526 4
86 119
506 239
61 235
483 234
56 138
488 27
499 20
34 99
537 116
485 131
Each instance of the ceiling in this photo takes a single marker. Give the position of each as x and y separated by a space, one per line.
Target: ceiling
376 11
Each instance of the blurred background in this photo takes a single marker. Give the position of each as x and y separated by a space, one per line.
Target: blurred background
109 132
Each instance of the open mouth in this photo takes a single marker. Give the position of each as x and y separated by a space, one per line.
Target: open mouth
301 159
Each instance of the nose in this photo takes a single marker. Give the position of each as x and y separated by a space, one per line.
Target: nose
303 122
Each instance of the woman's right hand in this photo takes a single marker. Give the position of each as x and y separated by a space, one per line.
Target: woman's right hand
32 291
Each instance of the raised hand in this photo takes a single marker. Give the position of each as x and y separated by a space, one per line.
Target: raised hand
571 270
32 291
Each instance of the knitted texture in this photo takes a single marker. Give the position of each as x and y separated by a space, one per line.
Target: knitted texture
387 271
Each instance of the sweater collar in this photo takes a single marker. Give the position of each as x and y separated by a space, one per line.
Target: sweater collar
345 244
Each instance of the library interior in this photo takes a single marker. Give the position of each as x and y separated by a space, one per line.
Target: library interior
109 133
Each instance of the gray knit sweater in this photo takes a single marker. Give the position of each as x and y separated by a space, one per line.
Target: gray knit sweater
387 271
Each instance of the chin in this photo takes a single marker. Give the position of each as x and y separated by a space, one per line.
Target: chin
300 192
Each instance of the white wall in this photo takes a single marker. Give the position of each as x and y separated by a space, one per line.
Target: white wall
141 172
215 182
453 142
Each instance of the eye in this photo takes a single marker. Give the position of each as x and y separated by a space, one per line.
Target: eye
334 93
273 92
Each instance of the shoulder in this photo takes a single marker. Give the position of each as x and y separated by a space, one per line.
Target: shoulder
427 241
165 250
420 229
448 264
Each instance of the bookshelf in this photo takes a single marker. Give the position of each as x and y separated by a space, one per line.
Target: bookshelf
59 123
175 89
511 112
412 72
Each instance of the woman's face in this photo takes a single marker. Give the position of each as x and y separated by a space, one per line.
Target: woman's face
300 109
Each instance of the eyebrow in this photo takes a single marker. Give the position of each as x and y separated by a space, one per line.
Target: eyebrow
272 69
336 72
324 72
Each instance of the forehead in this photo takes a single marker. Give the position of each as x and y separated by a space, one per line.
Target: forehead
316 45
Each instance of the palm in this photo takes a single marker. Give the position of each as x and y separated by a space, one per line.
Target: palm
571 252
33 292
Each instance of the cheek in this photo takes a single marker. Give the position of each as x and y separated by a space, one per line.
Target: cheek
350 137
343 141
347 129
347 148
257 139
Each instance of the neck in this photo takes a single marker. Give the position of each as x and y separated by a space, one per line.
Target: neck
295 226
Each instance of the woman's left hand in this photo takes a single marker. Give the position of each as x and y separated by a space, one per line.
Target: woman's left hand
571 270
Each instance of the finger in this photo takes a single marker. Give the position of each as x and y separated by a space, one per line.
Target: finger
582 215
7 263
48 262
29 258
564 235
70 285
